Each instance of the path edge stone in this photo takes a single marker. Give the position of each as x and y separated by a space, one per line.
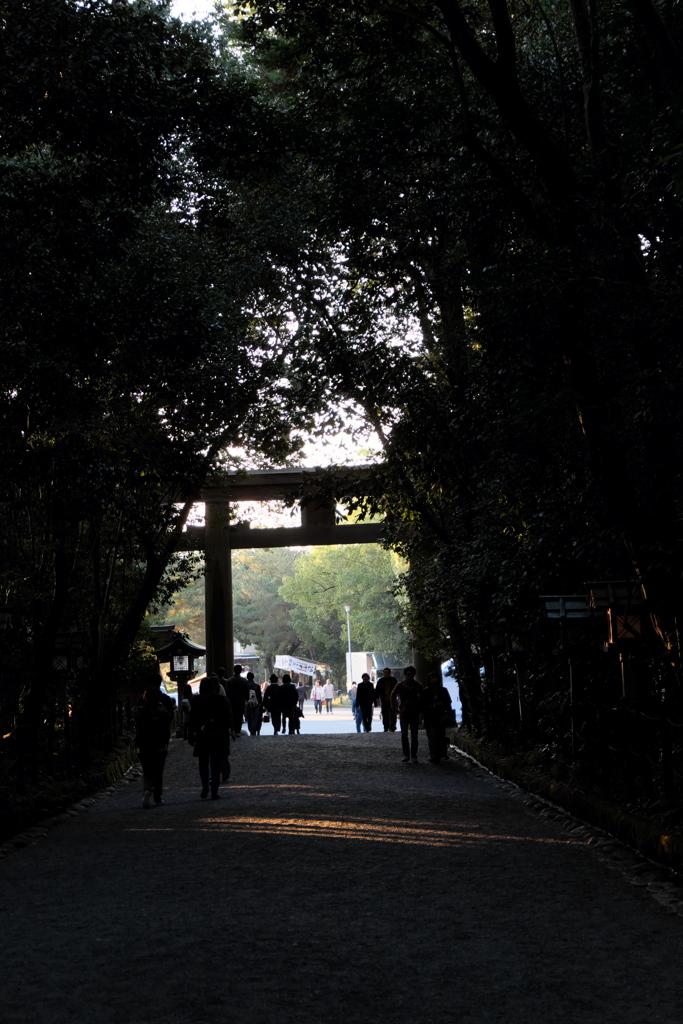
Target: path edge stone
666 850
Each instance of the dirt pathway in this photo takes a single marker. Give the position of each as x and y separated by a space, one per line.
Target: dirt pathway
330 884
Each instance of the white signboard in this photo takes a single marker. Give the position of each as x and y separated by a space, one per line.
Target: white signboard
290 664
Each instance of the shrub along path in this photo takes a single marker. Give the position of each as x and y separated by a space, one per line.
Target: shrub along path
331 883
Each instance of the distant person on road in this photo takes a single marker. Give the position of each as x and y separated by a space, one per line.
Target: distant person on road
253 709
237 692
301 694
272 702
353 689
366 698
355 709
385 688
328 694
408 699
185 707
437 704
290 702
152 737
210 727
317 695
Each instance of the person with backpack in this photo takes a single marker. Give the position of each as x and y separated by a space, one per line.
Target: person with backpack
272 702
209 733
254 706
152 737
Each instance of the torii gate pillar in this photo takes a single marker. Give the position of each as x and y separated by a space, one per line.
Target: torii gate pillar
218 588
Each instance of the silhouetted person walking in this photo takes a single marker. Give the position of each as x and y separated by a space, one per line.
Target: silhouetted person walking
152 736
185 708
253 709
407 698
209 732
437 704
385 688
290 703
366 698
272 702
237 692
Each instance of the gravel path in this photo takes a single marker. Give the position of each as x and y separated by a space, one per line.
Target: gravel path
330 884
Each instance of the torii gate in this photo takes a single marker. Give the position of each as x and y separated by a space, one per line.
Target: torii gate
218 539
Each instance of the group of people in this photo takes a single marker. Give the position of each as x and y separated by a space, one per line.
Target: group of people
210 720
321 693
214 717
407 701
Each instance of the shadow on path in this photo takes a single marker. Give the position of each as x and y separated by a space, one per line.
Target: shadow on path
330 884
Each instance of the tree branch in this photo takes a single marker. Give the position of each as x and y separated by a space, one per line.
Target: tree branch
499 81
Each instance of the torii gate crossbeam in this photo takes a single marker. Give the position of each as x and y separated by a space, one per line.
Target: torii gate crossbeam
218 538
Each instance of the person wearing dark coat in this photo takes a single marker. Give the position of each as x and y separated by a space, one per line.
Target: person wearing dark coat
209 732
437 704
152 736
237 692
253 709
384 689
272 702
408 700
366 698
289 699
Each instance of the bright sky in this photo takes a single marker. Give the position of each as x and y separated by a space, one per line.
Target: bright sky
191 9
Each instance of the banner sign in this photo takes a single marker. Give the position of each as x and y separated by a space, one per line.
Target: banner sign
290 664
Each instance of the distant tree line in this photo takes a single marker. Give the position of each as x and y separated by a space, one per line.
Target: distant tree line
292 602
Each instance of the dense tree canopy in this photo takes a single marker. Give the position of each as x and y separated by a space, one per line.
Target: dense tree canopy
489 265
139 345
462 220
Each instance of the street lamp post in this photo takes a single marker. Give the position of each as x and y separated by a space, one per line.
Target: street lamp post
347 608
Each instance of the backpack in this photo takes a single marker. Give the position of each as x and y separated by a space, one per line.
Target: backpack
152 726
252 703
212 728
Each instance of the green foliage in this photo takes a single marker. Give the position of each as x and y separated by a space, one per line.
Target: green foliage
323 581
260 614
